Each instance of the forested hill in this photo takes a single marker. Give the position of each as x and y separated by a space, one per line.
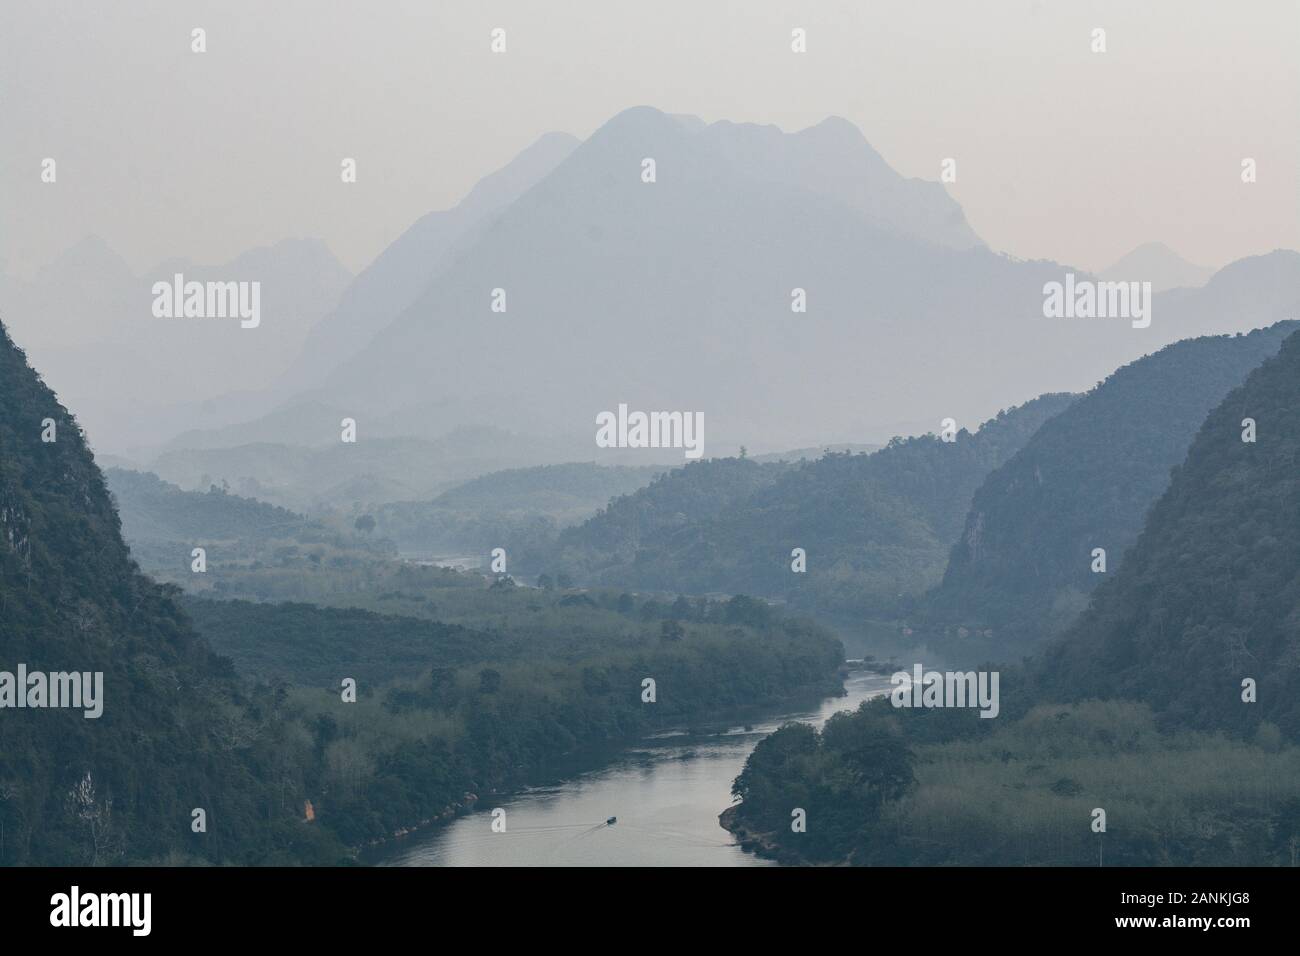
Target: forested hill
520 508
299 774
549 489
611 539
1210 594
120 787
1022 566
152 509
872 526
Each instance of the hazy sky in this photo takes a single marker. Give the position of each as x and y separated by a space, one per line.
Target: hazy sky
1062 153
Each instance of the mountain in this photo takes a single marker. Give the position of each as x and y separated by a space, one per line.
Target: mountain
1156 263
174 733
873 526
373 470
408 266
1085 480
292 409
69 298
516 509
798 454
605 547
393 281
677 295
562 491
153 510
1209 596
520 509
181 731
833 159
1250 293
88 323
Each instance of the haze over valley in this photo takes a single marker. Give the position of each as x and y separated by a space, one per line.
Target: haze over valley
650 437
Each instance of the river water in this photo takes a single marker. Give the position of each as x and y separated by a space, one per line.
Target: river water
666 792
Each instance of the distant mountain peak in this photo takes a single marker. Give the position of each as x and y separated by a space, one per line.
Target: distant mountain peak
90 254
840 130
1158 264
831 159
1245 269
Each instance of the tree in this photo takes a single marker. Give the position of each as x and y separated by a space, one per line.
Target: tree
442 686
365 524
489 681
96 816
672 631
743 609
325 730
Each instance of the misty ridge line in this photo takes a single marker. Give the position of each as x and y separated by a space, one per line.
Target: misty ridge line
651 263
444 261
805 42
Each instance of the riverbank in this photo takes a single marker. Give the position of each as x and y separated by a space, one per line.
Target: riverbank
665 790
759 844
698 732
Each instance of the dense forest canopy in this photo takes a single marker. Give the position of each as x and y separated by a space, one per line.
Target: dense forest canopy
520 686
520 509
1173 704
873 526
1209 596
1022 568
175 733
888 787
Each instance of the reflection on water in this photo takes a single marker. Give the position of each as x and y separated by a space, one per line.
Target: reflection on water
666 793
430 559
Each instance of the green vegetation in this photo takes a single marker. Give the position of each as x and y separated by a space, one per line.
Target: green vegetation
814 452
874 527
521 510
163 524
444 714
1086 479
607 545
316 646
323 474
1210 594
882 787
443 710
176 732
1139 709
156 510
278 553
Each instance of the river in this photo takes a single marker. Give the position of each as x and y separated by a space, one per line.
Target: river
666 792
